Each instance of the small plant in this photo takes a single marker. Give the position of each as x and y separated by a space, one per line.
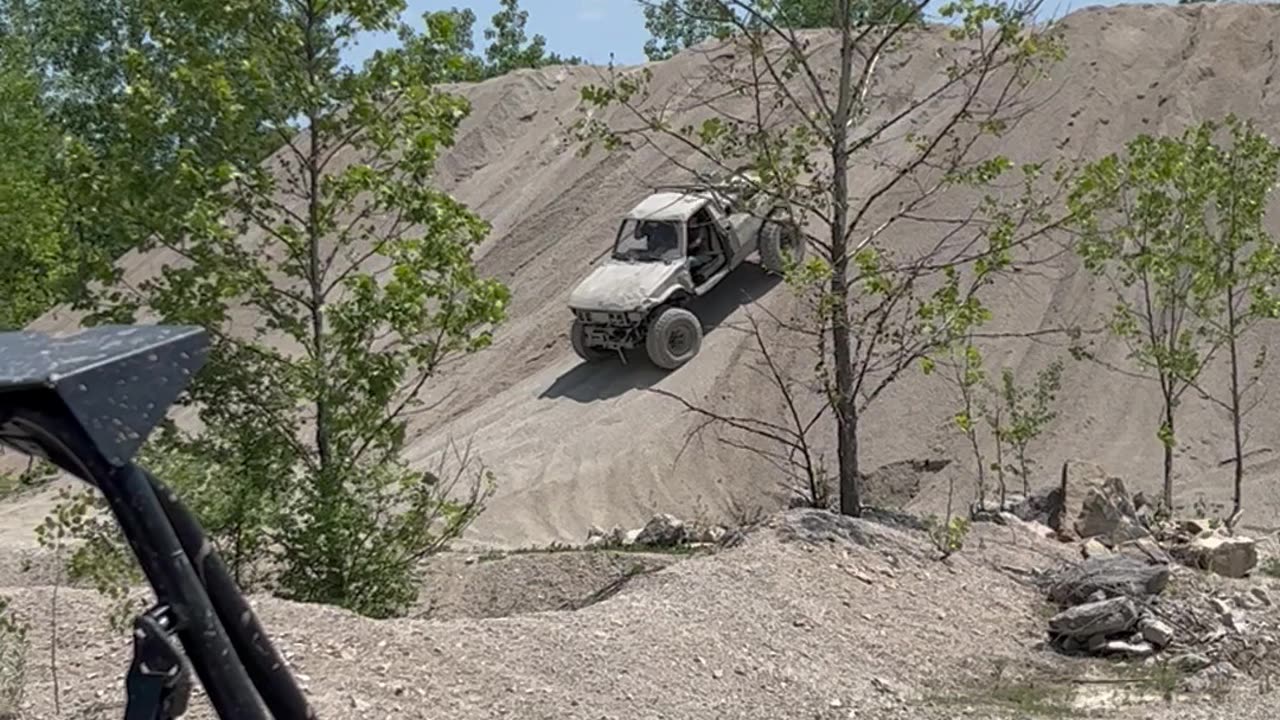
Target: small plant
1023 415
968 376
13 662
1027 697
947 535
1271 566
38 473
101 557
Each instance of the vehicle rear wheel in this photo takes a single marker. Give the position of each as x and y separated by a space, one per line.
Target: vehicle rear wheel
778 239
674 337
578 336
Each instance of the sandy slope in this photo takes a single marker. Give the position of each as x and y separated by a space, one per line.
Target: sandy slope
574 445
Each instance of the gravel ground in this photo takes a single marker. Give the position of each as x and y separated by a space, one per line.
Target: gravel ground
812 617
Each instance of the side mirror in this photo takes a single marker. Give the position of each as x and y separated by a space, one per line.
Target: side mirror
87 403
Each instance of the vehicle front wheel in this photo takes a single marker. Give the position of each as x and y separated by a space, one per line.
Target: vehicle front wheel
779 239
578 336
674 337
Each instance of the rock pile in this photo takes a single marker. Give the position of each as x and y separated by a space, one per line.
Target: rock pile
1106 607
1086 503
1118 605
662 531
1093 508
1115 602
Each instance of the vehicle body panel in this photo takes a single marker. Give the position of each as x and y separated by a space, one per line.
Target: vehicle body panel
674 206
621 286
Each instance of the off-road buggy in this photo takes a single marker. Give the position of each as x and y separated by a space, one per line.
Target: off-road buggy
675 245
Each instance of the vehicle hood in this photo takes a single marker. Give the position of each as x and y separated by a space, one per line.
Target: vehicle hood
626 286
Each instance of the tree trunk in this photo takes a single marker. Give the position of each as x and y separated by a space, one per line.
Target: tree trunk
1238 442
842 350
1004 490
314 280
1168 452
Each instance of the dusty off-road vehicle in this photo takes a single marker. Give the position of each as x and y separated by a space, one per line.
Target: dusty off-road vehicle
676 245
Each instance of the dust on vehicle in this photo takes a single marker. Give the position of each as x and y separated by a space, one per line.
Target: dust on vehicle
677 244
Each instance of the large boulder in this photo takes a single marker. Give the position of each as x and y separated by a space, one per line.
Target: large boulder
1112 575
662 530
1086 502
1106 512
1107 617
1233 557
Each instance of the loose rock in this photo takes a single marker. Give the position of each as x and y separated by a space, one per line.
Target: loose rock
713 534
1094 548
1115 575
1130 650
1156 632
1195 526
1107 617
662 530
1190 662
1031 527
1233 557
1145 549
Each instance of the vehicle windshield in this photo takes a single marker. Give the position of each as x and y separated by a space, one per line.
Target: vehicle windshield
648 241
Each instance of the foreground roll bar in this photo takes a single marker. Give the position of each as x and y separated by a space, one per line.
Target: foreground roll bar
87 403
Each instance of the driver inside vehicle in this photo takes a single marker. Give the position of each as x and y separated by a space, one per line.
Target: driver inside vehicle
661 236
699 245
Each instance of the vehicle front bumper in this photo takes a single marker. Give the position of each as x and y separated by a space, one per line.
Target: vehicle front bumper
611 330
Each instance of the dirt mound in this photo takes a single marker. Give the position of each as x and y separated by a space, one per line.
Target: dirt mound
814 616
574 445
489 585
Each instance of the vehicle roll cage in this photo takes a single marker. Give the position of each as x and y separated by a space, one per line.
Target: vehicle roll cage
87 403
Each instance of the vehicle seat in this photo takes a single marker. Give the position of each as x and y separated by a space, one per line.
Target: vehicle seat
703 255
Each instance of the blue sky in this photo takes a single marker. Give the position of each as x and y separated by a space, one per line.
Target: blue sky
593 29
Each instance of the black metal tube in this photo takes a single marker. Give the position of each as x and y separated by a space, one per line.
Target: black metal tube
265 666
203 637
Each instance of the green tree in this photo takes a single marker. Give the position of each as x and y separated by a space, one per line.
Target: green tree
454 60
1141 218
677 24
34 246
878 308
1175 225
122 182
1241 264
510 48
359 272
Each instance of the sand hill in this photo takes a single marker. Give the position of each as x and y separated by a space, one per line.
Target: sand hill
811 618
575 445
